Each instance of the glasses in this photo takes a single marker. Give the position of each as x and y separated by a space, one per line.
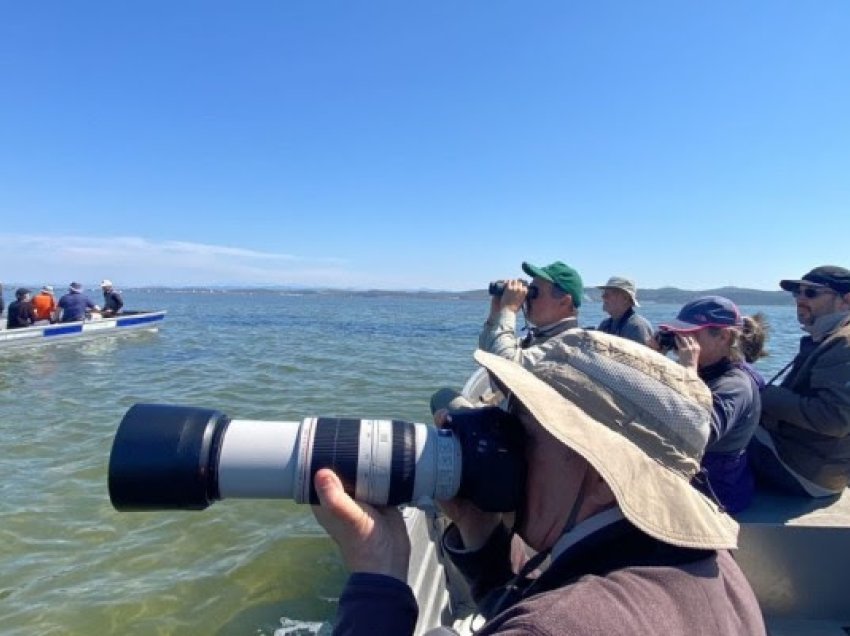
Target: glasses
811 292
533 292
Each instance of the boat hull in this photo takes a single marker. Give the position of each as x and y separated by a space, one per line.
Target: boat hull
62 332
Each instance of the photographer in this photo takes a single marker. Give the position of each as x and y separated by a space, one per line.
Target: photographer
711 337
628 556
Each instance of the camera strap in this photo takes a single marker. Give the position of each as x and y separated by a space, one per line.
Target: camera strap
520 584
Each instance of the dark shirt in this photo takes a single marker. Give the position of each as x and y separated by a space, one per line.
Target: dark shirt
736 407
21 314
112 301
74 305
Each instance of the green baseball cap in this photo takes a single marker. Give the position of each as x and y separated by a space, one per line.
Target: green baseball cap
561 275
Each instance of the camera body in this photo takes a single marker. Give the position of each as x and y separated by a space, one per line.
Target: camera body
174 457
497 288
666 340
493 466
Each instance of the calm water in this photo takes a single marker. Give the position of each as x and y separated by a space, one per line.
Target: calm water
72 565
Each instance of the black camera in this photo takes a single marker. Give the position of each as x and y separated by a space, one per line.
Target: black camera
174 457
497 288
666 340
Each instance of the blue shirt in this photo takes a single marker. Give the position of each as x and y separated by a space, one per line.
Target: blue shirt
74 305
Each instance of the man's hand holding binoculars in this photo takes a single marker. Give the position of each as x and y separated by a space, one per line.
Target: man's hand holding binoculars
512 296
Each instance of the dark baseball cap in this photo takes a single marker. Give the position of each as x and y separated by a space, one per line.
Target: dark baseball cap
561 275
836 278
707 311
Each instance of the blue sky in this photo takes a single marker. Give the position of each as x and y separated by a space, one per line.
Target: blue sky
432 144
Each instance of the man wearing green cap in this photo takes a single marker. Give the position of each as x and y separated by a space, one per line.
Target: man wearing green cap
550 303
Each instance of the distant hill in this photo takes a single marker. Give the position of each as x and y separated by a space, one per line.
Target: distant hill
664 295
738 295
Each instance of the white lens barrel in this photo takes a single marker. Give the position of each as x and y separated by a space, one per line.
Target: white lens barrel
258 460
276 460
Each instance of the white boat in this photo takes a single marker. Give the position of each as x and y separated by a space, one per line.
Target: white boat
93 327
794 551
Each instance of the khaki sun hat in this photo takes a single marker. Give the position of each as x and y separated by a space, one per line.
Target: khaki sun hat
623 284
640 419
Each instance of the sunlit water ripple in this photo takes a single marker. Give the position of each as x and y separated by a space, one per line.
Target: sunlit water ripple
72 565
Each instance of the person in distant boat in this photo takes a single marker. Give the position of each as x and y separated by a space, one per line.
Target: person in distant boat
632 547
21 312
802 445
112 300
75 304
44 303
619 299
713 339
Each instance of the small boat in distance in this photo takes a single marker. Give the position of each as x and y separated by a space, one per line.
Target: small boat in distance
94 326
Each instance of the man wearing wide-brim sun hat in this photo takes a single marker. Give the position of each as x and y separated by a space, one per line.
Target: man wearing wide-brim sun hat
802 445
614 435
619 299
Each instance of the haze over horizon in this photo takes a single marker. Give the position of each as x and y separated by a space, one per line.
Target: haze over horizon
427 146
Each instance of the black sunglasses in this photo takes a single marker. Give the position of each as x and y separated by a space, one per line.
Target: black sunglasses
812 292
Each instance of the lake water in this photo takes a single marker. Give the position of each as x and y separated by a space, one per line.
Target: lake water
72 565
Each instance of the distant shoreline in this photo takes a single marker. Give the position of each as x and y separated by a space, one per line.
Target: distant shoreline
664 295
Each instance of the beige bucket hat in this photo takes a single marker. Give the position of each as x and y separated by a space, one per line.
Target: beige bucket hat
640 419
623 284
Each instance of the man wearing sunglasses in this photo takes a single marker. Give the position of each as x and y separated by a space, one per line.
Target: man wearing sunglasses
802 445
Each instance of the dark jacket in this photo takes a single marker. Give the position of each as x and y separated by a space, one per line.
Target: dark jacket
808 415
616 580
112 301
21 314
